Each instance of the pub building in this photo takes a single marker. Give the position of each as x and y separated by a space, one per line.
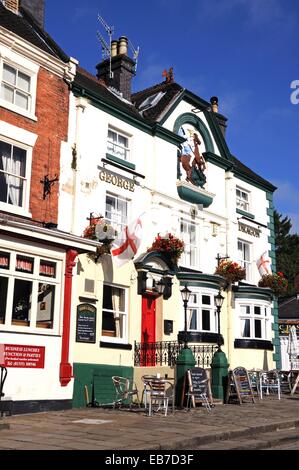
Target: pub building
103 157
160 155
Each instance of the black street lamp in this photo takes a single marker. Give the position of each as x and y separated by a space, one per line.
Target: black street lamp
218 302
185 296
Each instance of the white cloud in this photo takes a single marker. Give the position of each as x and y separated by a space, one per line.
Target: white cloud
286 194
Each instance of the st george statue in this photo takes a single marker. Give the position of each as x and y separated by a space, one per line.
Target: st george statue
195 169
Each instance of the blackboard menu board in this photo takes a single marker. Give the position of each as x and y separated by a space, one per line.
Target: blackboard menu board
242 384
86 324
198 384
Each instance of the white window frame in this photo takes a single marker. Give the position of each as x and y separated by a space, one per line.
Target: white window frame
197 306
113 151
189 248
25 140
241 202
12 274
265 317
112 218
244 262
30 69
115 339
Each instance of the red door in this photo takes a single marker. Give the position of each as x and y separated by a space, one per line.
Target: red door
148 331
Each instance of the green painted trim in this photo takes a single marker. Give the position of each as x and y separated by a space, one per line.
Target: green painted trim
246 214
218 136
206 285
271 240
200 280
252 292
189 195
271 226
244 177
199 125
218 161
154 130
252 297
103 386
120 161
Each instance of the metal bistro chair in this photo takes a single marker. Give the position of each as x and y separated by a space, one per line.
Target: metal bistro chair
160 391
270 382
146 388
254 376
125 391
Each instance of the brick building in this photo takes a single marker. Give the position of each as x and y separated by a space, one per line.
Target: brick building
36 259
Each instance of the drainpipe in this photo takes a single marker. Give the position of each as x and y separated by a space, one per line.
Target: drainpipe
76 161
228 203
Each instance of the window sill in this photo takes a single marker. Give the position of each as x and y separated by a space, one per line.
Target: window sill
115 345
262 344
9 208
120 161
245 213
17 110
200 337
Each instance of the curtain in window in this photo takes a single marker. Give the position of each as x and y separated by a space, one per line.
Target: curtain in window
13 167
116 305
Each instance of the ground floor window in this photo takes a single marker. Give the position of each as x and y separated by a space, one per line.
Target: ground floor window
114 317
201 310
29 290
254 321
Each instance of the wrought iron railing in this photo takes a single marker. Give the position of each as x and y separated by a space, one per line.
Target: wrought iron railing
165 353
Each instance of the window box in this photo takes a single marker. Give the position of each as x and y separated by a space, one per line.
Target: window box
193 194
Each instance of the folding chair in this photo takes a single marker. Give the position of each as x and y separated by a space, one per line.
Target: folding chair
270 382
125 390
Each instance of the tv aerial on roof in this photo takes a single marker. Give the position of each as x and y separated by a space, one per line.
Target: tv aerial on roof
135 53
106 49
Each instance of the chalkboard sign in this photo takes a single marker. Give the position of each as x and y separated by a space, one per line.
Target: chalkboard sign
86 324
242 384
197 384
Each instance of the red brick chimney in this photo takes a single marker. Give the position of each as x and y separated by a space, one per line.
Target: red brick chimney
12 5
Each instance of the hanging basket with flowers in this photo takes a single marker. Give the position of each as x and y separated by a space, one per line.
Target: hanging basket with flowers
231 271
171 246
100 230
277 282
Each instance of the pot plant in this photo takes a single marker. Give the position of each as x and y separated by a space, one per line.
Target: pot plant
277 282
231 271
100 230
168 244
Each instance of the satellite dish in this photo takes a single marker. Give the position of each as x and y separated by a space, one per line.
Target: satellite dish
104 231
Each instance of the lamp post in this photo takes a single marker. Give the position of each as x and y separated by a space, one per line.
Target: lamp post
218 302
185 360
219 363
185 296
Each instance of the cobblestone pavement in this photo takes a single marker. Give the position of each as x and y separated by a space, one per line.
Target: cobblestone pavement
103 429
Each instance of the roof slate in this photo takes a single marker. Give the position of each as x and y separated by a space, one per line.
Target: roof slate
23 25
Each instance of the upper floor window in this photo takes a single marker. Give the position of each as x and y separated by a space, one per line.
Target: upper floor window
13 162
244 255
255 321
116 211
114 319
118 145
242 198
202 315
16 87
188 234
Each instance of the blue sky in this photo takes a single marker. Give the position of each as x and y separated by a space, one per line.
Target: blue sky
243 51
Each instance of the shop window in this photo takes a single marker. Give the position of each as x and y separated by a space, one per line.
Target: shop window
114 319
47 269
4 260
45 305
3 298
22 302
24 264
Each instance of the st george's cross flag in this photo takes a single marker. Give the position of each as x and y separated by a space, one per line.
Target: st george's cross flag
263 264
126 245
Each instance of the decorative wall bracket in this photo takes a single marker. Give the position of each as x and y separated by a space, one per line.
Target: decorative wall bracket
47 183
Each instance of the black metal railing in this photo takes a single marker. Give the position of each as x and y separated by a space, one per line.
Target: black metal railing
165 353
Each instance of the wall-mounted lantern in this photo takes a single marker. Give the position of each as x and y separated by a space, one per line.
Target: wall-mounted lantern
154 284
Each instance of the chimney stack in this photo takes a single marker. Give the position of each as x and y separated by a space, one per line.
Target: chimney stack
36 8
12 5
214 103
122 67
222 121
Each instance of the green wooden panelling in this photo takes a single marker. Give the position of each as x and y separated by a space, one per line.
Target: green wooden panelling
193 196
246 214
99 375
115 159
